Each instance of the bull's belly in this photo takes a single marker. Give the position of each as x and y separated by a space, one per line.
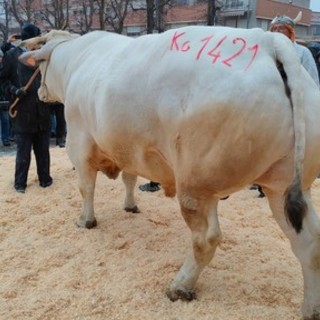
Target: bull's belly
227 158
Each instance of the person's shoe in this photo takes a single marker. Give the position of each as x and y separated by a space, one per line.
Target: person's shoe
46 184
20 189
150 187
60 142
7 144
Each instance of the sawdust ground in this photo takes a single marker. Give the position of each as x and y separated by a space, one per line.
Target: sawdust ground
50 269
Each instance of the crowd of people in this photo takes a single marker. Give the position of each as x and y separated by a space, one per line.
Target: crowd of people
36 122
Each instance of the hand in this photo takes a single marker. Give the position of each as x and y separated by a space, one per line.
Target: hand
13 37
20 93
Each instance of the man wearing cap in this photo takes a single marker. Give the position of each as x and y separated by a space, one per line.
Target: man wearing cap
32 122
285 25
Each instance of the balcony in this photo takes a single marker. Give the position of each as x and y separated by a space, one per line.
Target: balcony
233 8
234 4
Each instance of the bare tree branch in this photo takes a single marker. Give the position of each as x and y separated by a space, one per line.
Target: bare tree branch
22 11
56 14
116 12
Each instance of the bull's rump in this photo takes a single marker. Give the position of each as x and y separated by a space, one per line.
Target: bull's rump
205 100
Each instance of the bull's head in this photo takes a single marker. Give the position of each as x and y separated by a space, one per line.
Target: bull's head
39 54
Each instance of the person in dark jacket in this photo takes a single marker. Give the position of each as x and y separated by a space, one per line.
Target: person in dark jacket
32 122
317 58
7 45
4 115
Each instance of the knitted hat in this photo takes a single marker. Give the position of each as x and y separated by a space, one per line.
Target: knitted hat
29 31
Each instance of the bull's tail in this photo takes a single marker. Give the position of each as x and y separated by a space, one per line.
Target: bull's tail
295 205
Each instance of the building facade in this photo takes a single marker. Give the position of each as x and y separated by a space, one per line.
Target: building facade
232 13
259 13
315 25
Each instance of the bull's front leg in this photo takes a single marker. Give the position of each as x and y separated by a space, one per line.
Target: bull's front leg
87 179
203 221
130 182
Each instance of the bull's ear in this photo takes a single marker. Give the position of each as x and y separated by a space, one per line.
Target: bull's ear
30 58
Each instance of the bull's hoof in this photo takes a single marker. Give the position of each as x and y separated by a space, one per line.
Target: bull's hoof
135 209
87 224
91 224
184 295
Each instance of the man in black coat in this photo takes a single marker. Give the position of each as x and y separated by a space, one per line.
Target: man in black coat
32 122
317 59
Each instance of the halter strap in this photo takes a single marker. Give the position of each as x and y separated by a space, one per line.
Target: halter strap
45 71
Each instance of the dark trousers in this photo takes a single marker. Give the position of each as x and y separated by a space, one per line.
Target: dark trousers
5 126
60 122
39 141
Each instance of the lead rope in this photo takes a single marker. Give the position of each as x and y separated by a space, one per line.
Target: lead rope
43 78
13 113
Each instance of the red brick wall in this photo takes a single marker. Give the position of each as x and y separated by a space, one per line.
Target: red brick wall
270 8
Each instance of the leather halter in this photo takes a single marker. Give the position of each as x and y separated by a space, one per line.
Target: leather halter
43 85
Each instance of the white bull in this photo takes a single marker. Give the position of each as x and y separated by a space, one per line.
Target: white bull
204 111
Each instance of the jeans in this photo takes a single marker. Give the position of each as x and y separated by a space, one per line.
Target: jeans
5 126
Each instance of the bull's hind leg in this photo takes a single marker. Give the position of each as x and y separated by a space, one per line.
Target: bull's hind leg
201 217
130 182
306 247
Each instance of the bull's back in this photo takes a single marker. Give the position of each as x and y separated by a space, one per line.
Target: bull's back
217 84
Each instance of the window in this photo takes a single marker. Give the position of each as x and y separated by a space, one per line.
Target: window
133 31
234 4
182 2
